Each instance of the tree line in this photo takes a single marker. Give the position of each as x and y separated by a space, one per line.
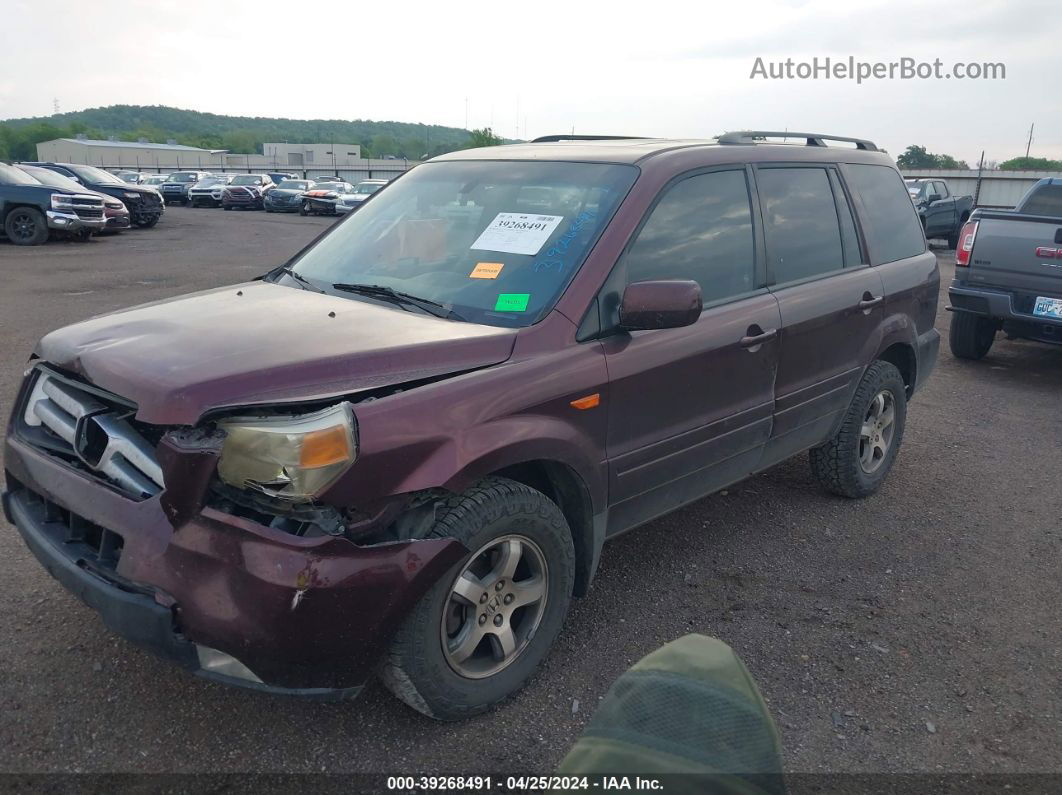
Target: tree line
237 134
918 157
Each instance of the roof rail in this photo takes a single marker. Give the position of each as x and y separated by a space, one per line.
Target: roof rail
811 139
552 139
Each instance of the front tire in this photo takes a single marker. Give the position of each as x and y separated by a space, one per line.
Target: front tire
147 223
26 226
484 627
971 335
856 459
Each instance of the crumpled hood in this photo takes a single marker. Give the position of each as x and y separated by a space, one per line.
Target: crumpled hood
261 343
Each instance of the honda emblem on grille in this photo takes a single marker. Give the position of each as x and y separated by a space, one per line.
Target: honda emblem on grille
90 440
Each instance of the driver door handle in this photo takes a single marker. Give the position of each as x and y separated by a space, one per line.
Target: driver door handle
752 339
870 303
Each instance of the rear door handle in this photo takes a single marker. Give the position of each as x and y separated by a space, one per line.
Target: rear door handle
753 340
870 303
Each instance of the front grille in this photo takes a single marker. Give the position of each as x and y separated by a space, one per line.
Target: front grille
93 547
91 430
89 212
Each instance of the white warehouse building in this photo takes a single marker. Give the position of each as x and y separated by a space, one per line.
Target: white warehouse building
144 155
139 155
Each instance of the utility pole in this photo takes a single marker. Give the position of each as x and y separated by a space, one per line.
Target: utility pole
980 170
55 105
466 113
1028 146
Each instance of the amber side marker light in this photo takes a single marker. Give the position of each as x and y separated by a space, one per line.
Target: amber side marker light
328 446
588 402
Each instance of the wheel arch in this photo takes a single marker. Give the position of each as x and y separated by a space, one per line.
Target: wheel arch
564 486
902 356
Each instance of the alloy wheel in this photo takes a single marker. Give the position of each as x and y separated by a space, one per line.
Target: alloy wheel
876 433
24 226
495 606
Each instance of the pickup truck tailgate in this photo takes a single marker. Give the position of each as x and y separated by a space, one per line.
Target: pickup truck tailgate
1018 252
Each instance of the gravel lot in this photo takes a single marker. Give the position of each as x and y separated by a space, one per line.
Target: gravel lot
918 630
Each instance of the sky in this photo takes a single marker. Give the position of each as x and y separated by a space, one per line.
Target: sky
526 69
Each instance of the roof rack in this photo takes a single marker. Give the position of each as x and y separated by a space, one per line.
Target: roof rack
551 139
811 139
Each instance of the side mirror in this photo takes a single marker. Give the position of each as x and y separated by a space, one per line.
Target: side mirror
661 304
933 197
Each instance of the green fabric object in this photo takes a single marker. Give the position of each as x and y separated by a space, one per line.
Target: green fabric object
690 708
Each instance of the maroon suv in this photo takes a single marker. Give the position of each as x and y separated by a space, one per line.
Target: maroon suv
402 451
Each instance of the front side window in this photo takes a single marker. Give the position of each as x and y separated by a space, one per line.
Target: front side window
891 222
800 221
464 234
701 230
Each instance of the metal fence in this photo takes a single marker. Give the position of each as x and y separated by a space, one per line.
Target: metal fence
995 189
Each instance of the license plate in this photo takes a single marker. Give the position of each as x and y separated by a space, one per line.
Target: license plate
1048 307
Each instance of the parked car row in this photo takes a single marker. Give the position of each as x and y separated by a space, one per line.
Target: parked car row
38 200
270 191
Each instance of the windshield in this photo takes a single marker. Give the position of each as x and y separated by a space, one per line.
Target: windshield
9 175
97 175
248 179
184 176
294 184
210 182
368 188
155 179
497 242
52 179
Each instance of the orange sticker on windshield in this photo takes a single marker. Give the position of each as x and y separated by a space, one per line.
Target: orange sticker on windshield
486 270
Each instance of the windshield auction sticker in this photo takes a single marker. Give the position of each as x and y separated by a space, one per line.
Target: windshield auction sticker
512 302
517 233
486 270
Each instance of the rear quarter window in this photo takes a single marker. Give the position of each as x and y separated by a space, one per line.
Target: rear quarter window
895 232
1044 200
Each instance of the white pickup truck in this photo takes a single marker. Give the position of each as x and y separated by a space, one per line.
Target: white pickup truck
1008 274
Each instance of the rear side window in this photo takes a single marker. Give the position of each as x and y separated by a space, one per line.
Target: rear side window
700 230
893 225
849 239
800 220
1044 200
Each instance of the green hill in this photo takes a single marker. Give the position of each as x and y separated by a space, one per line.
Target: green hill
244 134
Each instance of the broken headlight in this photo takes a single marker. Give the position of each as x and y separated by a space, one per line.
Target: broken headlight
290 457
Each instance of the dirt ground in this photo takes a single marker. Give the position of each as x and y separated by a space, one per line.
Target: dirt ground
917 630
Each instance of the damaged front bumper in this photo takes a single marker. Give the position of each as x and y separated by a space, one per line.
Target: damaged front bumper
221 595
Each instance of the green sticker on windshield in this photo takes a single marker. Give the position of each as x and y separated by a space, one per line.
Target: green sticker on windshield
512 302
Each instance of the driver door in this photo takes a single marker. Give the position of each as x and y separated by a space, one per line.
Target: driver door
690 408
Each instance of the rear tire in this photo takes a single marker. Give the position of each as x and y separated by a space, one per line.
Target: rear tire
454 657
26 226
971 335
855 461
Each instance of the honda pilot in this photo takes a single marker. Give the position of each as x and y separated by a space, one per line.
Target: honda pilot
401 452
